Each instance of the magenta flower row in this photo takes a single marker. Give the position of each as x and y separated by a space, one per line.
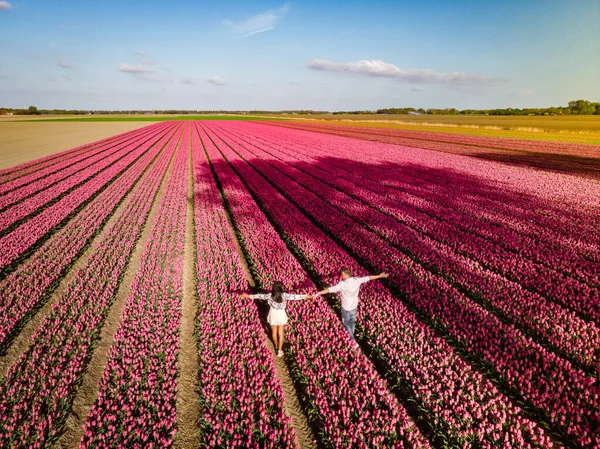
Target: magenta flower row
135 406
21 292
242 402
25 186
569 397
533 227
349 399
460 403
25 235
38 389
561 328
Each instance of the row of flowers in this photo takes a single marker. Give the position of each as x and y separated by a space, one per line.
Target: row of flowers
525 226
35 199
25 186
135 406
459 404
26 234
22 292
38 390
536 203
458 143
345 398
572 336
504 143
15 172
567 396
242 402
464 235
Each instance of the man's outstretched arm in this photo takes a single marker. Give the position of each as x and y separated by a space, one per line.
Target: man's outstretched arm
378 276
322 292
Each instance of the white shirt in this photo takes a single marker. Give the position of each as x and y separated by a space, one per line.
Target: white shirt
349 290
278 305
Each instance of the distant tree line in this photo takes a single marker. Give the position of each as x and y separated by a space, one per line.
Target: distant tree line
576 107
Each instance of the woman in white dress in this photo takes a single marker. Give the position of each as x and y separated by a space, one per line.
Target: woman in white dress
277 317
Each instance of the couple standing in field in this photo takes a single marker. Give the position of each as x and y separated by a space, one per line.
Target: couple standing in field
348 287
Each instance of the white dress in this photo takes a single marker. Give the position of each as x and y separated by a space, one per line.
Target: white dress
277 315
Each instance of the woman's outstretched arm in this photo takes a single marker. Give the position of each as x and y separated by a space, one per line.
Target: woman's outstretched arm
263 296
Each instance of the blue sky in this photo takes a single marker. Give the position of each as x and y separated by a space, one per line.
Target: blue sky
328 55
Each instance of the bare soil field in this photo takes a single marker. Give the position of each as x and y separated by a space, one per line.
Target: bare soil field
24 141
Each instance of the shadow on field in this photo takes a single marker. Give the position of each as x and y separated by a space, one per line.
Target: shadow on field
421 189
586 167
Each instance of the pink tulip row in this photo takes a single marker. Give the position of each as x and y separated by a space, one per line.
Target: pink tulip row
135 406
461 143
27 234
26 168
572 336
348 400
460 404
482 206
569 398
37 201
38 390
543 201
20 292
447 226
241 398
21 188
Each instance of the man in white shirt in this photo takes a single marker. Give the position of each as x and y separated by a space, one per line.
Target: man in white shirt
348 288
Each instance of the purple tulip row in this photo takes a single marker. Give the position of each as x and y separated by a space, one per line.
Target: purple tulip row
38 390
570 335
458 402
26 168
135 406
19 240
242 401
473 214
568 397
449 180
15 191
348 400
20 292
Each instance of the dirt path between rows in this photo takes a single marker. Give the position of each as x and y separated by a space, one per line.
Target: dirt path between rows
21 342
88 391
187 405
304 435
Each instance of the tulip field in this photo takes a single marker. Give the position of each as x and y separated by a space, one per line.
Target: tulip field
485 335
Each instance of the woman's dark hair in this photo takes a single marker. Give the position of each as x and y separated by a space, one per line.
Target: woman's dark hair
277 291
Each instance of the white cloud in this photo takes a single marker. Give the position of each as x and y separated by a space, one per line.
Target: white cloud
187 81
381 69
134 69
140 72
216 80
416 89
64 65
259 23
5 5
